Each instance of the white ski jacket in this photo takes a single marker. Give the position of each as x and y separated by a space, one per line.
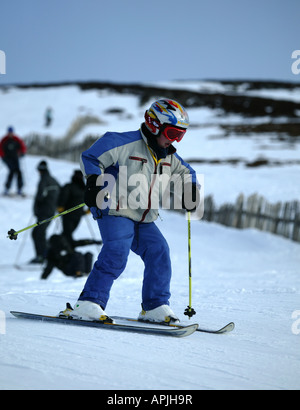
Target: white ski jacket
134 181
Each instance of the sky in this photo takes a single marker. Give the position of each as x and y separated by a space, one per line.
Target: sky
148 41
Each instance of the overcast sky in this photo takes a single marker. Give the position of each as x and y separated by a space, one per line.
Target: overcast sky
144 40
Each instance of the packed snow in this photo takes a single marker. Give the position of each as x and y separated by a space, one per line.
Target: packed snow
246 276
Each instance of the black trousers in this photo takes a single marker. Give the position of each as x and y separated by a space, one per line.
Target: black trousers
14 170
39 239
79 262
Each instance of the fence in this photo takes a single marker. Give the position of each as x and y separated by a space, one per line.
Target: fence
63 147
281 218
55 148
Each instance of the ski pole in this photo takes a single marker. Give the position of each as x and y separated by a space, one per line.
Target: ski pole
92 232
22 244
189 311
12 234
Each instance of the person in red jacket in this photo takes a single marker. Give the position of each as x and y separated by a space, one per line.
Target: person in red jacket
12 148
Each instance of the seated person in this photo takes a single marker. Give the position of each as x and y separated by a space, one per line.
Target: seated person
61 254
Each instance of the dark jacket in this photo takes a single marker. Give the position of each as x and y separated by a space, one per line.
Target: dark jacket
12 147
72 194
46 197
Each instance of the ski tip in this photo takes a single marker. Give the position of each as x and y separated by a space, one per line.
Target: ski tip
232 325
185 330
225 329
228 328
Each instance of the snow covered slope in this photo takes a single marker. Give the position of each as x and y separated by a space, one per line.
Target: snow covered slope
246 276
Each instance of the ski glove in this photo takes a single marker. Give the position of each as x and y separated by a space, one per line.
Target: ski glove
191 197
91 191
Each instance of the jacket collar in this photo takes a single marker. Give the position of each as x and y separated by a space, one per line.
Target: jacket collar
150 140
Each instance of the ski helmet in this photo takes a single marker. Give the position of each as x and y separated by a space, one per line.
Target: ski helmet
169 117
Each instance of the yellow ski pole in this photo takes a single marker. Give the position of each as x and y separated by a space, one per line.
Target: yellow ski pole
13 235
189 311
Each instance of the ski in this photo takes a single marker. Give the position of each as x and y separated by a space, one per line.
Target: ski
29 267
136 327
225 329
16 196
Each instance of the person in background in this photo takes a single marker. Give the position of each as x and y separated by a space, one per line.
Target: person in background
48 117
12 148
70 195
44 207
61 254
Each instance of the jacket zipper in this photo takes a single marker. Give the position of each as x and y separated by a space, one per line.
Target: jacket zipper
143 160
151 186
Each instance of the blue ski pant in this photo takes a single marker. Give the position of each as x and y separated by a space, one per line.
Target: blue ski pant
119 236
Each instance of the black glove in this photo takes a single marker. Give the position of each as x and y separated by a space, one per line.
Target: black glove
190 197
91 191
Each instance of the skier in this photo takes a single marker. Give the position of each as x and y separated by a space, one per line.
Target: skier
48 117
143 154
71 194
61 254
12 148
44 207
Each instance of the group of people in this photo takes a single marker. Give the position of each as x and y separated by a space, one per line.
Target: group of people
60 250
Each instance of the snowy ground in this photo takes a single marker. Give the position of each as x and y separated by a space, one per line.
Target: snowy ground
249 277
246 276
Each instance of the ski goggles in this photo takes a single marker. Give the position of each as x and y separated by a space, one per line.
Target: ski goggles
173 133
